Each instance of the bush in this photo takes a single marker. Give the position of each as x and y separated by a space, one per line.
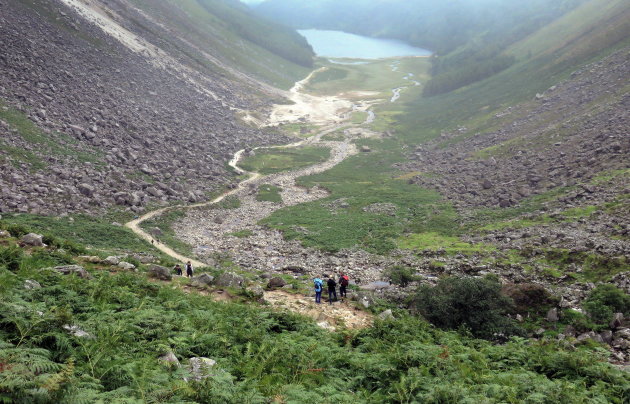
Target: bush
401 275
11 258
612 297
473 303
17 230
529 297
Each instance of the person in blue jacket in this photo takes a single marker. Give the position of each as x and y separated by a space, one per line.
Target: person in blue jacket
319 285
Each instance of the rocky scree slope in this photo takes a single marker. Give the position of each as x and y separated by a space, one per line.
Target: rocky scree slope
154 132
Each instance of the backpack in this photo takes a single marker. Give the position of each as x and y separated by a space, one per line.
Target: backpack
344 280
318 285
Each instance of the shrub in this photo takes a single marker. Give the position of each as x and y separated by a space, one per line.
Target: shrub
473 303
401 275
17 230
11 258
529 297
611 296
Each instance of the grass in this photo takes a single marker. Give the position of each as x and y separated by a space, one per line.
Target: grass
165 223
242 233
435 241
93 232
56 144
375 76
269 193
363 180
261 355
359 117
270 161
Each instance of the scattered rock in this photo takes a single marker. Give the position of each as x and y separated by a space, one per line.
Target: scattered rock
72 269
386 315
200 367
160 272
203 280
616 321
170 359
126 266
30 284
76 331
32 239
276 282
230 280
112 260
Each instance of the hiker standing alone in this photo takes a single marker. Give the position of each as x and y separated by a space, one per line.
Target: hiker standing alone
332 289
319 284
189 269
344 281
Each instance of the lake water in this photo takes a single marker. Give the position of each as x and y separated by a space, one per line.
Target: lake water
337 44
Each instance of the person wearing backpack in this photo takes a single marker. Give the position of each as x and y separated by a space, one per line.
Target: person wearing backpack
344 281
319 285
189 269
332 289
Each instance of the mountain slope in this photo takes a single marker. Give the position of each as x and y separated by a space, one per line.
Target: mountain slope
144 106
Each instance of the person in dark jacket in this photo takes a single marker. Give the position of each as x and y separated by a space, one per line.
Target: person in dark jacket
189 270
178 270
332 289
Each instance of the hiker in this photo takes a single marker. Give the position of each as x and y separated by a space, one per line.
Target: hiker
178 270
189 269
319 285
332 289
344 281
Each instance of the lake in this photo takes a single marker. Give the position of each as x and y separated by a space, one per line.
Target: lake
337 44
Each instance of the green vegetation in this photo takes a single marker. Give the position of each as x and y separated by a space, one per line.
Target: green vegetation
269 193
164 223
94 232
376 78
359 117
361 181
401 275
604 301
55 144
436 241
274 160
473 303
261 355
242 233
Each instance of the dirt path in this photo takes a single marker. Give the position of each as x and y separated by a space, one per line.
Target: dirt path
213 230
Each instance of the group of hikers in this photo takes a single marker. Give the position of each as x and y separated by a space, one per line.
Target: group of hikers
188 267
331 284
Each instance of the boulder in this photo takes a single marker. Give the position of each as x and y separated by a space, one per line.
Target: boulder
276 282
30 284
616 321
93 259
160 272
76 331
72 269
230 280
111 260
126 266
386 315
170 359
606 336
32 239
199 367
552 315
257 291
4 234
86 190
203 279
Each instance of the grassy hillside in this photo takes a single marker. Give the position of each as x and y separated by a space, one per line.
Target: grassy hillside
64 338
227 32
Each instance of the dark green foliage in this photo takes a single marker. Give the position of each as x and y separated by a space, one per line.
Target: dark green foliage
10 258
473 303
262 355
604 301
401 275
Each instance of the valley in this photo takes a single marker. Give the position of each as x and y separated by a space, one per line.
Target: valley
477 198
